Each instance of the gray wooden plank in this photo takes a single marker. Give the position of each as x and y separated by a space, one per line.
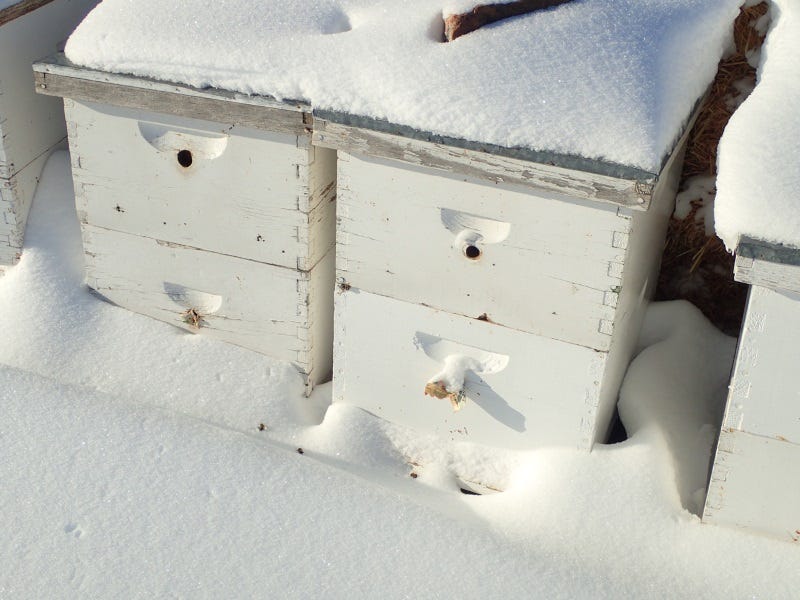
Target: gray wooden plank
770 265
495 167
56 77
20 9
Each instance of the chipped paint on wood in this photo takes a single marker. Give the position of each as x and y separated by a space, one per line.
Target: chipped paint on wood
489 167
528 403
30 125
58 77
242 198
753 483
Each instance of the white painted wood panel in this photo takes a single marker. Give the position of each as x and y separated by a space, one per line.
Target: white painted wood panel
249 193
768 265
755 480
16 196
549 264
494 168
640 277
30 125
755 485
533 391
764 395
265 308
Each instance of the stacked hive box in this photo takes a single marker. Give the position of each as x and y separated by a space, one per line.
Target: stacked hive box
754 482
30 126
472 274
205 209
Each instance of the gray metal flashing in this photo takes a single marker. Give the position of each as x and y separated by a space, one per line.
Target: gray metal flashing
59 64
566 161
768 252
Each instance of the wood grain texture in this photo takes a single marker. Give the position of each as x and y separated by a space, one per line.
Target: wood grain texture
15 11
16 197
31 124
489 167
542 393
754 486
754 483
58 78
768 265
548 264
249 193
456 26
263 308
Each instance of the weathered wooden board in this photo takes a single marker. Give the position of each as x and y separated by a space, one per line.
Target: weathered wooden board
490 167
482 14
248 193
768 265
765 388
30 125
16 196
547 264
57 77
20 9
755 485
755 482
533 392
277 311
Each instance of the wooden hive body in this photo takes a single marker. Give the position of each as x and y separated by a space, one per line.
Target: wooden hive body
30 125
536 275
206 210
754 480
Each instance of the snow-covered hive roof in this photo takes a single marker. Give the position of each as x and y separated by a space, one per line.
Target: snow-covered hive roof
611 80
758 182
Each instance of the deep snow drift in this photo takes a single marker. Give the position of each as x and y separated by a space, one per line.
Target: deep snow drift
133 466
604 79
759 153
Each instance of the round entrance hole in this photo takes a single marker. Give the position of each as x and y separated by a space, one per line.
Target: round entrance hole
472 252
185 158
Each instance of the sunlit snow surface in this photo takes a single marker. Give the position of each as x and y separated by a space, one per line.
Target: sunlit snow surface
759 153
132 466
604 79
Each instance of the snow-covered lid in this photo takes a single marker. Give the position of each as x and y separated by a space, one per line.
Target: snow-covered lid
758 181
610 80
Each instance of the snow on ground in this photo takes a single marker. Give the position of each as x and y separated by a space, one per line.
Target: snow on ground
133 466
603 79
759 170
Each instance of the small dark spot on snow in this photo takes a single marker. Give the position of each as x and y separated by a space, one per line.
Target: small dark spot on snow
119 209
413 475
300 451
262 427
260 238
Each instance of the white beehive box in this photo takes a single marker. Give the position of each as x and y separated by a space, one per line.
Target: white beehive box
205 209
30 125
531 277
755 480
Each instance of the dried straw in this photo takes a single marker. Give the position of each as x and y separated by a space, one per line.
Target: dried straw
695 266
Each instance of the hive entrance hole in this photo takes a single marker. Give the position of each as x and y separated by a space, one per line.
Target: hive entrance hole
472 252
185 158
